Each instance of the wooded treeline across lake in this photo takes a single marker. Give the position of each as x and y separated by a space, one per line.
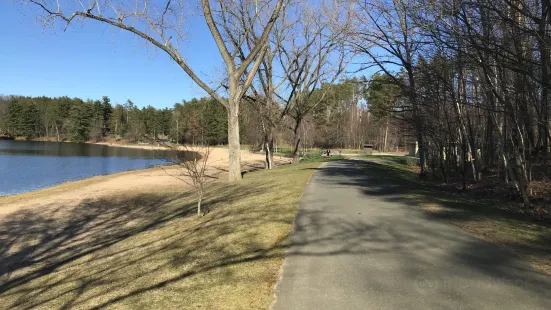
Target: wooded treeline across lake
77 120
334 123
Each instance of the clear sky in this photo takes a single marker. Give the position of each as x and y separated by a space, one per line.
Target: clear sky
92 60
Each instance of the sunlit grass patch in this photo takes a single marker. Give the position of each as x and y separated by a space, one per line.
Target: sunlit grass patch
150 251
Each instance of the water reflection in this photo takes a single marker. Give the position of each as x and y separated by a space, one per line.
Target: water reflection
61 149
26 166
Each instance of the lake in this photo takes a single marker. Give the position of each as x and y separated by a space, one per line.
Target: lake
27 166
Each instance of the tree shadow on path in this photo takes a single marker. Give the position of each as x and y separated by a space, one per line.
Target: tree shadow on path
390 223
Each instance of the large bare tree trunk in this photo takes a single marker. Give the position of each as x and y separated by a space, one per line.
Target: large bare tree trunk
268 146
234 147
296 154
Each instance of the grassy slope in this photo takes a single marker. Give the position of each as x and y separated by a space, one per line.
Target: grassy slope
524 236
150 251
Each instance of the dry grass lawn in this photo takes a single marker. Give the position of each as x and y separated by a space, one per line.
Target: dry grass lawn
149 251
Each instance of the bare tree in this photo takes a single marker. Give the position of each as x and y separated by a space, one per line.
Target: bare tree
161 23
307 37
261 93
312 54
386 34
192 167
264 100
475 76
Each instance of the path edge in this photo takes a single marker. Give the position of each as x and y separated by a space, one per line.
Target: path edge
281 268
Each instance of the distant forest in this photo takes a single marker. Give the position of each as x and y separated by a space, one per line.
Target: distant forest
337 122
74 119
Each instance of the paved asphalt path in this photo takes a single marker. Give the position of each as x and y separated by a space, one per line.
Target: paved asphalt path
359 245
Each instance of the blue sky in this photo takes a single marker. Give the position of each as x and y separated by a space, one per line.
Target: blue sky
92 60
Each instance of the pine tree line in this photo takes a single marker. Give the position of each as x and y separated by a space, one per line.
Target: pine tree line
73 119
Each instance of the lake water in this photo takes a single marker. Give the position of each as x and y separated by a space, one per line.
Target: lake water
27 166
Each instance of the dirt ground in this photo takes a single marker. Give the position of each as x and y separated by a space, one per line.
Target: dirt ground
159 179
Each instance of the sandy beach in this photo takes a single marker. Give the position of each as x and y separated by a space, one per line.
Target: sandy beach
158 180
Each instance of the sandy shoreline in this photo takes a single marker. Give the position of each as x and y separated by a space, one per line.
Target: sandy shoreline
151 146
157 180
148 146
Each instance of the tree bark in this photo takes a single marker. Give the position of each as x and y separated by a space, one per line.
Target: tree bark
462 96
234 147
544 42
268 140
268 146
386 136
199 205
442 165
296 155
